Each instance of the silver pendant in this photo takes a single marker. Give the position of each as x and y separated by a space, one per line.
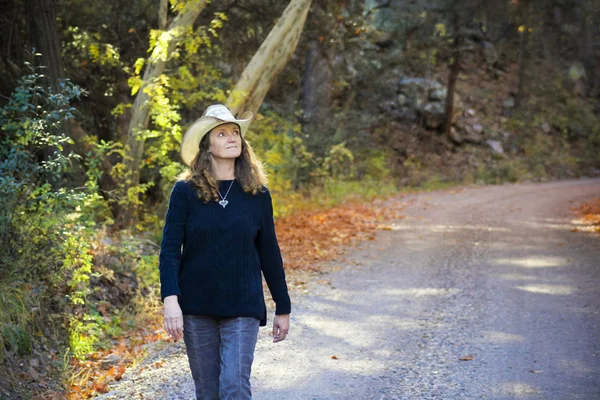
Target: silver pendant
223 203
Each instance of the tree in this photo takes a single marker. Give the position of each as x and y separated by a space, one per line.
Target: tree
269 59
454 70
155 66
44 35
524 31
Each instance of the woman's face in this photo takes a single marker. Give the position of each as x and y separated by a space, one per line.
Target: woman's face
226 141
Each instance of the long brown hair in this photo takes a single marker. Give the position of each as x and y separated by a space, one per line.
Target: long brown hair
249 171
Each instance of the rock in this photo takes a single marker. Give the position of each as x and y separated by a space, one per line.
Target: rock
384 39
433 115
546 127
438 94
388 107
509 103
496 146
454 136
417 89
408 114
498 73
392 110
373 4
473 137
477 128
490 55
471 112
402 100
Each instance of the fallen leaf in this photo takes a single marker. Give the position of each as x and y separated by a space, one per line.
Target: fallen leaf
334 358
467 358
536 371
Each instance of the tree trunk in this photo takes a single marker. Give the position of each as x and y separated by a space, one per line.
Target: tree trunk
523 54
270 59
44 35
140 113
316 88
453 75
586 46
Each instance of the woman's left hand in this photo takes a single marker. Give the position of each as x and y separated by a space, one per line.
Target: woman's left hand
281 327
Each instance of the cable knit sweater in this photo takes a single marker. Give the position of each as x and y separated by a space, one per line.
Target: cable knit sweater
217 272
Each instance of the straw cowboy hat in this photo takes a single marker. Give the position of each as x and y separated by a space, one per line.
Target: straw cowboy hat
214 115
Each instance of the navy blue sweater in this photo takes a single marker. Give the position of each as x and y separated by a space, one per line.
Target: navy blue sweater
217 272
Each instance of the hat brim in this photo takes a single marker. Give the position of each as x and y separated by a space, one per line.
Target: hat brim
192 137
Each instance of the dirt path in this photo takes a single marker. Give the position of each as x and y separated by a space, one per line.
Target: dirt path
492 273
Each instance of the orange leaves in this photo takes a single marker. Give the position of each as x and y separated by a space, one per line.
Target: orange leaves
93 375
590 214
312 237
467 358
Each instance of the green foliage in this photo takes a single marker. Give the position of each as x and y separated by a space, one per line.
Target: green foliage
44 226
277 142
337 191
338 164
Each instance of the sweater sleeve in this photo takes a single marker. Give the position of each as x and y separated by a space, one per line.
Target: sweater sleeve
172 240
270 258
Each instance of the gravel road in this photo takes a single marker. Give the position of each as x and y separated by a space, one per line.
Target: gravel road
491 275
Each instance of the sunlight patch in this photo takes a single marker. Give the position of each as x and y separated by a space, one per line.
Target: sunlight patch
501 337
547 289
517 277
517 389
417 292
534 262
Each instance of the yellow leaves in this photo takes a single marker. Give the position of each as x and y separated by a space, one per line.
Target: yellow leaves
103 53
440 29
135 83
94 51
138 65
523 28
217 23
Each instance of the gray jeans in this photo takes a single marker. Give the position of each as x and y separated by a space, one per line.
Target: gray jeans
220 351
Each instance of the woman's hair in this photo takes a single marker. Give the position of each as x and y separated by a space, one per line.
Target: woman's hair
249 171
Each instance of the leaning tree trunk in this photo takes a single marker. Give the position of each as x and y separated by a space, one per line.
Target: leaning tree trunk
269 60
140 112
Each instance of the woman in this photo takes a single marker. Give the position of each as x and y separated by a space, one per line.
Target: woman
221 213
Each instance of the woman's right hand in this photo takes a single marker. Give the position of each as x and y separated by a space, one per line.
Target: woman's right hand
173 317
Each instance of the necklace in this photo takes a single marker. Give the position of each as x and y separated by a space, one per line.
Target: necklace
224 202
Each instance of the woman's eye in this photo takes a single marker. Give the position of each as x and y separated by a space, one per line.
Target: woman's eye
236 133
220 134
